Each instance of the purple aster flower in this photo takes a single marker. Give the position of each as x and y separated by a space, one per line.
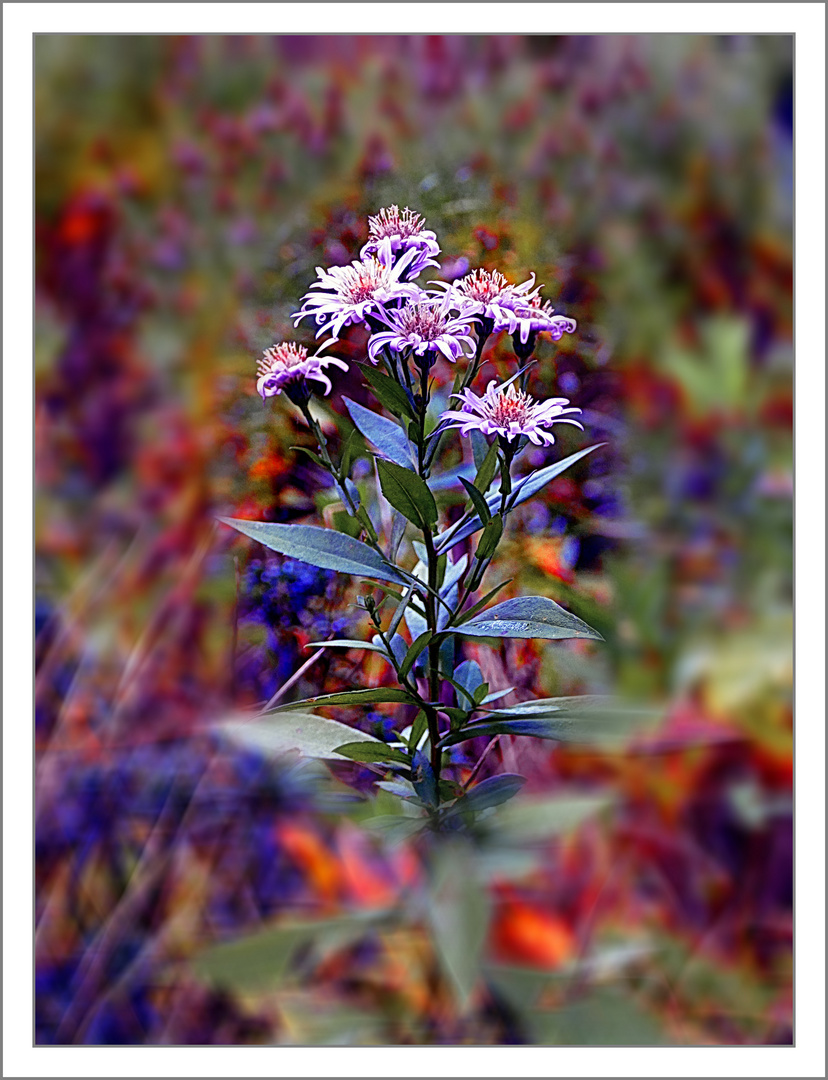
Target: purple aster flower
286 364
531 316
487 294
425 326
349 294
509 413
404 231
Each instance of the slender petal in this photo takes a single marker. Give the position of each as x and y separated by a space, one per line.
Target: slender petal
510 413
405 232
286 364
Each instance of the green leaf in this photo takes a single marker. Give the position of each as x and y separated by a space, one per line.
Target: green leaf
454 571
324 548
490 539
417 729
523 489
423 778
346 643
496 694
536 818
527 617
261 960
394 828
361 751
408 493
462 694
477 499
480 447
388 437
364 520
489 792
490 595
606 1017
459 911
457 716
347 490
486 470
348 452
469 677
412 654
583 704
353 697
402 789
388 392
276 734
577 724
480 693
312 455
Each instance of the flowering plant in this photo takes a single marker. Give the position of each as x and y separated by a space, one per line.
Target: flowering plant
424 599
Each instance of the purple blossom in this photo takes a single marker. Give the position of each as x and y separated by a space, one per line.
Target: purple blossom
531 316
349 294
508 412
404 231
487 294
285 364
425 326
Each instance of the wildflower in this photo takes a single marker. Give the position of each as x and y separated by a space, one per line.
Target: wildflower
349 294
509 413
527 317
487 294
404 230
285 365
426 326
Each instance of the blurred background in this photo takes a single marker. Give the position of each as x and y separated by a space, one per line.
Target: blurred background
192 891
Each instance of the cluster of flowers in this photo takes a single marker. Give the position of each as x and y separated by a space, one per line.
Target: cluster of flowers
410 322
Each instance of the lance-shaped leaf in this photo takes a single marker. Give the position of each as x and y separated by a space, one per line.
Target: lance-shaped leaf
489 792
388 392
324 548
469 676
347 643
378 695
388 437
459 912
584 703
480 447
365 751
423 778
599 721
487 469
479 503
454 571
492 532
411 656
408 493
534 818
274 735
259 961
447 478
523 489
527 617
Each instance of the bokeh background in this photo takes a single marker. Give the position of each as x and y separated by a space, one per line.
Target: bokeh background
190 891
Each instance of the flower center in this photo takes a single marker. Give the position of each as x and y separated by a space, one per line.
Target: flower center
358 283
483 285
424 320
509 406
279 357
391 221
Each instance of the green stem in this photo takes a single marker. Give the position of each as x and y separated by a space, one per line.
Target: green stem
433 662
468 379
